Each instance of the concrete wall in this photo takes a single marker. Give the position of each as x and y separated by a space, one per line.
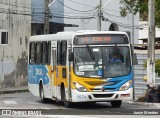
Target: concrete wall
16 19
111 11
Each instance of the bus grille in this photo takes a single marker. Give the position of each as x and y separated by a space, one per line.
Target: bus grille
100 89
102 95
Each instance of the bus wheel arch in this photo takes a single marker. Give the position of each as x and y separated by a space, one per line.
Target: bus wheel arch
41 92
67 104
62 88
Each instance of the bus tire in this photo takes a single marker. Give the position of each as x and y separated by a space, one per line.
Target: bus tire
67 104
41 93
116 104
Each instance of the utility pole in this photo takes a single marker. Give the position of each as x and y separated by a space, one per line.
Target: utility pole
151 43
132 11
46 17
99 15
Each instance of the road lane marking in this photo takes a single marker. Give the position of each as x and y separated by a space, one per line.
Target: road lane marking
10 102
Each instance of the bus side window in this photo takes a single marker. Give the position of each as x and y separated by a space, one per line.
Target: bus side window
38 52
44 52
48 53
63 52
58 52
54 57
32 53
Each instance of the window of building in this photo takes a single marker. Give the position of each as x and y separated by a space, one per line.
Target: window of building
4 37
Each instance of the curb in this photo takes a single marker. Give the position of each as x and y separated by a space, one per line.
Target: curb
142 103
5 91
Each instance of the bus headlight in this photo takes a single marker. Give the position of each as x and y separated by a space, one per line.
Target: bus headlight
79 87
126 85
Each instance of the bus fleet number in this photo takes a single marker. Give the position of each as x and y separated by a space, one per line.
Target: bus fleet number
81 97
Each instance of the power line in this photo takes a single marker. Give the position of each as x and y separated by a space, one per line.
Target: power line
115 15
81 3
120 24
70 12
76 9
89 19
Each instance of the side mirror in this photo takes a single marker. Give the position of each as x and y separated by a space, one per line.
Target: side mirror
71 56
134 59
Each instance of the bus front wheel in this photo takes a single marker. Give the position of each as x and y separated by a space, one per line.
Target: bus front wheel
67 104
116 104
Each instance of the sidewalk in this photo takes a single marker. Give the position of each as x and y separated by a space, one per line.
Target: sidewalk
143 103
13 90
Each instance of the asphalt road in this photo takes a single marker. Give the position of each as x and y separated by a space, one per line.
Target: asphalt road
26 102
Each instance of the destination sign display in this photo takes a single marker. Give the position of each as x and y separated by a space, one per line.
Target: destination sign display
100 39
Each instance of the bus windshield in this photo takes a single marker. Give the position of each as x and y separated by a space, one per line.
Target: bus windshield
102 62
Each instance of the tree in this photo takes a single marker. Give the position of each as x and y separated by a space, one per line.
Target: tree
141 6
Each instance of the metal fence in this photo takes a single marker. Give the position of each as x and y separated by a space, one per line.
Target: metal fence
140 71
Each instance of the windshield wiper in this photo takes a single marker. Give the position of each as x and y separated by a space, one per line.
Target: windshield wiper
90 52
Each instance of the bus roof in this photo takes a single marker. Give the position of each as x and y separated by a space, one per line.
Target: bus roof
69 35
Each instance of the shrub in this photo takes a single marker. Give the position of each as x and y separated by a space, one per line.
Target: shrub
157 66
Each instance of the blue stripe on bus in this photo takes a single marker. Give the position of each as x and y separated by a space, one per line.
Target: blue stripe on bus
37 72
120 81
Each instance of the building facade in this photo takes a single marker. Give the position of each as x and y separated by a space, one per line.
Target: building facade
84 13
56 23
73 15
15 30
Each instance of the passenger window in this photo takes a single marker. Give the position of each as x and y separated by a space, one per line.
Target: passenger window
38 53
44 53
32 53
63 52
58 53
48 53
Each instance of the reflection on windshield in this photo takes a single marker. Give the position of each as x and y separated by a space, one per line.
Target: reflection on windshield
107 62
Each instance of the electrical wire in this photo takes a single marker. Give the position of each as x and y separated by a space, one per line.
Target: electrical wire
56 15
81 3
76 9
121 24
89 19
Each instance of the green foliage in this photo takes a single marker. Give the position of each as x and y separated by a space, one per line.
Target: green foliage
157 66
141 6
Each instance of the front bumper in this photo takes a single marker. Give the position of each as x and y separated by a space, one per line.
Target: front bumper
101 96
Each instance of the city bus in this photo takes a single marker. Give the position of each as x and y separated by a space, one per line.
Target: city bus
76 67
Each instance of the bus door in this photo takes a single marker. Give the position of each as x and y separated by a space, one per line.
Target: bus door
61 68
54 58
